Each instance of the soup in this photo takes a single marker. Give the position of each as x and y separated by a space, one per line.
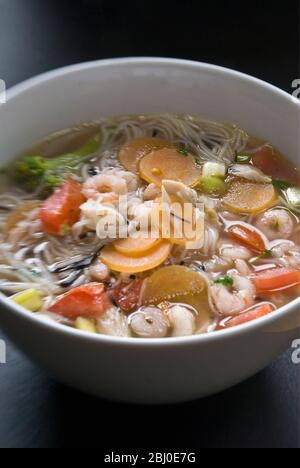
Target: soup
150 226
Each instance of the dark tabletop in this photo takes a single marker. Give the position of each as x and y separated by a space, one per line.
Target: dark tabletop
257 37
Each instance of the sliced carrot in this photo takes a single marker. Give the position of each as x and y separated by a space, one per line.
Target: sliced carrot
127 264
136 247
60 211
127 295
275 165
134 150
169 164
248 197
247 237
260 311
86 301
276 279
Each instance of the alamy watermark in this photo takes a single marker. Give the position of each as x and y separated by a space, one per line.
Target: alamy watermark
296 352
2 352
296 87
2 92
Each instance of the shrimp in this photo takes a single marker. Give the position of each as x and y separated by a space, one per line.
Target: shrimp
151 192
111 184
276 224
234 252
286 254
229 303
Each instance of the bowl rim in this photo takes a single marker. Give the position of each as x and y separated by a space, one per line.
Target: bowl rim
55 327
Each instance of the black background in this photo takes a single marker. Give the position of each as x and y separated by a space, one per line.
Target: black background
257 37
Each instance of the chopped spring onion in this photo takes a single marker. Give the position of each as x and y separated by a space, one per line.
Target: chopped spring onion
86 325
281 184
213 186
183 151
293 196
224 280
30 300
211 169
242 158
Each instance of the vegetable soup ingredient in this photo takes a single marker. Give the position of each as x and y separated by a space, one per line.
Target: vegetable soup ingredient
272 164
167 163
138 264
86 301
245 317
276 279
211 169
248 197
85 325
62 209
127 295
249 172
247 237
293 196
20 213
172 284
35 171
135 247
30 300
134 150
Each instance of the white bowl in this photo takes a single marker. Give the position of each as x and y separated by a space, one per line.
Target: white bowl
163 370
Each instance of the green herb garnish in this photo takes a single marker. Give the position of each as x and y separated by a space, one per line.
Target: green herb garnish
242 158
183 151
281 184
267 253
225 280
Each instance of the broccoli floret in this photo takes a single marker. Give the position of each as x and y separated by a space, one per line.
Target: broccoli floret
49 173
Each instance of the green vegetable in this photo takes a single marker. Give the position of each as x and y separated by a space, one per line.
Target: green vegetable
293 196
212 186
242 158
30 300
225 280
267 253
183 151
281 184
85 325
211 169
34 171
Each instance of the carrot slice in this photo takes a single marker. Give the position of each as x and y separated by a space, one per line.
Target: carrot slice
276 279
169 164
248 197
247 237
85 301
126 264
136 247
133 151
60 211
253 314
275 165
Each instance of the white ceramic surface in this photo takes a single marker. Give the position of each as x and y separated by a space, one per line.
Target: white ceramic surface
141 371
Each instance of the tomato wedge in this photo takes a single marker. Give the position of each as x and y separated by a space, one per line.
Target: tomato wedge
248 238
253 314
60 211
126 295
271 163
85 301
276 279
